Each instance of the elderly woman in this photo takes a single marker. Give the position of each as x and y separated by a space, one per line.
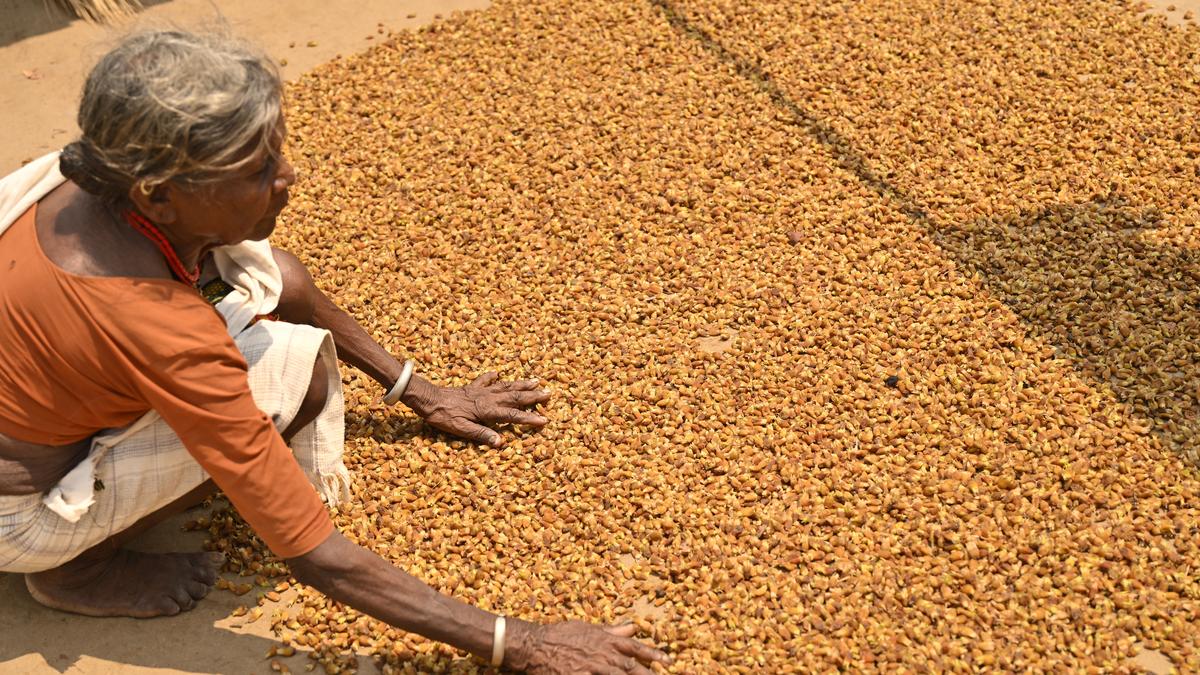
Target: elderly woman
157 348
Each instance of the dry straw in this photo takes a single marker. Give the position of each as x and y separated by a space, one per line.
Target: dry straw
97 11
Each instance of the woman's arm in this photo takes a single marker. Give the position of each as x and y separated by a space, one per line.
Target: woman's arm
460 411
365 581
361 579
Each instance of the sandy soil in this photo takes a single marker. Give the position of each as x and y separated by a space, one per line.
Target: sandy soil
36 640
43 60
1178 12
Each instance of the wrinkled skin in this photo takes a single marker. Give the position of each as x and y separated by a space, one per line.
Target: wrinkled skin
578 648
465 411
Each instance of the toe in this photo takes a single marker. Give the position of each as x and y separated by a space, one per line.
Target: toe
204 575
163 605
197 590
206 569
183 600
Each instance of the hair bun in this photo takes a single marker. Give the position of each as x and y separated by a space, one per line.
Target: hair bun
80 163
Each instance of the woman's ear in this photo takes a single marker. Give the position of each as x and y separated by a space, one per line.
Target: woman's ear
156 202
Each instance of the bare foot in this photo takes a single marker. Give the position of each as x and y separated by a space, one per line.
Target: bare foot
127 583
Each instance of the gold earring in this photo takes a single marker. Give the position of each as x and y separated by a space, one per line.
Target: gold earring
145 188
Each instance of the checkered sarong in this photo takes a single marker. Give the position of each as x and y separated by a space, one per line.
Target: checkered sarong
144 471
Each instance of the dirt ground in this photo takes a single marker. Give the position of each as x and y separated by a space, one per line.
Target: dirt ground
42 62
44 59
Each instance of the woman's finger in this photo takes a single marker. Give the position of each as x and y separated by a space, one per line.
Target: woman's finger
485 379
479 434
625 663
641 651
516 385
630 665
625 630
514 416
524 398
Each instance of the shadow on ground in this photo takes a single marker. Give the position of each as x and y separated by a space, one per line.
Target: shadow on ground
182 643
1130 324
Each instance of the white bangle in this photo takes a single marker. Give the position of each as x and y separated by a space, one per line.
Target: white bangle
498 643
401 384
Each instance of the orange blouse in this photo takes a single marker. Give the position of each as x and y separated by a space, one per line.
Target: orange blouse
81 354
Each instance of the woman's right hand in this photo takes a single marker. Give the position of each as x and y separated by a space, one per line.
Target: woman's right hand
575 647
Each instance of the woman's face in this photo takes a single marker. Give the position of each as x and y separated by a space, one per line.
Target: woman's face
243 206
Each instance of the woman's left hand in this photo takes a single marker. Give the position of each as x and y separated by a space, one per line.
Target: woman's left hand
467 411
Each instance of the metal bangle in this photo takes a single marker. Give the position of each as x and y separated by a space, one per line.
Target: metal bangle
397 389
498 643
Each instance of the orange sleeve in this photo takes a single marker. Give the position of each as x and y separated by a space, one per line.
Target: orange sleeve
178 357
204 395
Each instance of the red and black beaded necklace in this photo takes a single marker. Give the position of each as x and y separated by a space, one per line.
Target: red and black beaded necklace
151 232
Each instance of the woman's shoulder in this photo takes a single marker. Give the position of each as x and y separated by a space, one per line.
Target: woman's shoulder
78 241
115 288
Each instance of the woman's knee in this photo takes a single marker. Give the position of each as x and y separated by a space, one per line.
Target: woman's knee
318 387
297 300
314 399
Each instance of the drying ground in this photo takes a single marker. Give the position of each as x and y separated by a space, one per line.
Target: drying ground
873 327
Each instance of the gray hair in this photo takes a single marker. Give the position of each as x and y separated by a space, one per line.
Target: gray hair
167 105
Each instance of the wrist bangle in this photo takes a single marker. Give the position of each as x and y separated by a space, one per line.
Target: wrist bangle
397 389
498 643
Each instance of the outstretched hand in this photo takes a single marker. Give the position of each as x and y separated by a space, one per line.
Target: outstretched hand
575 647
468 412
